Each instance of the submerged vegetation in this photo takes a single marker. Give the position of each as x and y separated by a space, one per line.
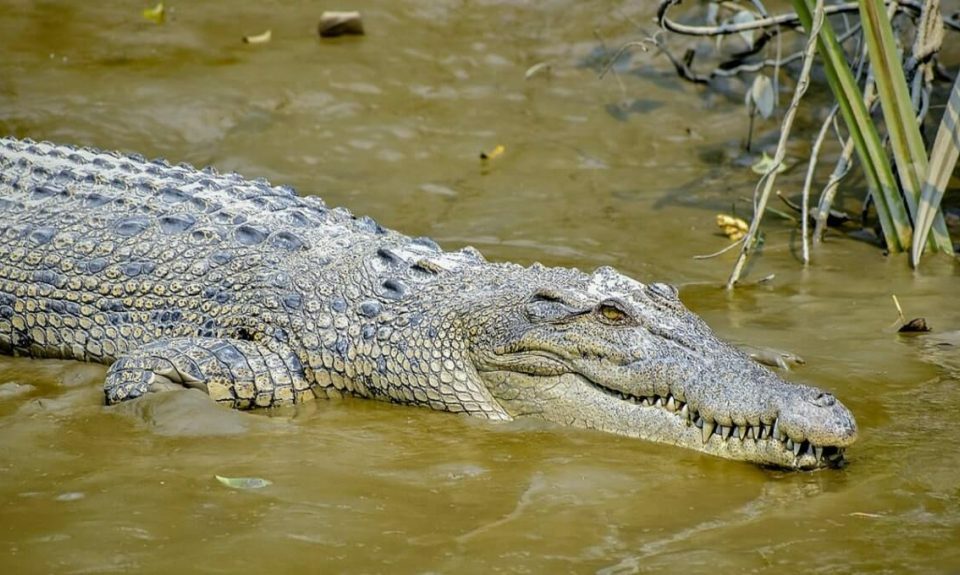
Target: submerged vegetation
880 62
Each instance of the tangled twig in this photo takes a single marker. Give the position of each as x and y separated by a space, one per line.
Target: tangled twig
788 20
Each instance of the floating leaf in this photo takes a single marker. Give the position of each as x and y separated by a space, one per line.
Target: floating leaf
760 96
765 163
732 227
71 496
863 514
258 38
155 14
244 482
538 68
497 151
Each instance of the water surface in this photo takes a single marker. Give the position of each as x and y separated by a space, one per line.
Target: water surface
625 171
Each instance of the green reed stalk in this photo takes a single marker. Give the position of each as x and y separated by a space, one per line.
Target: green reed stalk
891 211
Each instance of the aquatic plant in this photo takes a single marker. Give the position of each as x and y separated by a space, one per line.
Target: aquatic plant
872 76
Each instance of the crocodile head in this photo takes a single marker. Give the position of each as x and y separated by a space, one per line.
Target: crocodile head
606 352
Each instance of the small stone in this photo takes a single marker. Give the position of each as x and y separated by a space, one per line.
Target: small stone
333 24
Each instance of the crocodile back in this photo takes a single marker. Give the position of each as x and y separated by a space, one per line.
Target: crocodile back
101 252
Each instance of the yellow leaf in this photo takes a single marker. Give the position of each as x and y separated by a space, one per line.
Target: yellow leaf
733 228
258 38
493 153
244 482
765 163
155 14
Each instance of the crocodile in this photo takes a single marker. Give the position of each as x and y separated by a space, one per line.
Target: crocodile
183 278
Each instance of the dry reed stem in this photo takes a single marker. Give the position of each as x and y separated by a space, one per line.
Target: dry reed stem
808 181
769 178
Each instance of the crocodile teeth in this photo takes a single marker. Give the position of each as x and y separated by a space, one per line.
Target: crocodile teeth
724 431
789 443
758 431
708 427
658 402
796 448
743 429
685 412
818 453
671 404
775 433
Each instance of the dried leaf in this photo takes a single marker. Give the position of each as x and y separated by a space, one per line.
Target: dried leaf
865 514
538 68
244 482
155 14
497 151
258 38
760 96
763 165
732 227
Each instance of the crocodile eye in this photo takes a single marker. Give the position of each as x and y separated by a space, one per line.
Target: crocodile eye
612 312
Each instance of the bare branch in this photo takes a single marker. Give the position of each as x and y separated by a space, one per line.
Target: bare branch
830 190
808 181
643 44
788 20
735 67
769 178
720 252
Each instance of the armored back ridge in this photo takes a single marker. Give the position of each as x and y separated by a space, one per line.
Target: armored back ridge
177 277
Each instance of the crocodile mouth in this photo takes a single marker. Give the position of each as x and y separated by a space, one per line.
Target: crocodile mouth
806 454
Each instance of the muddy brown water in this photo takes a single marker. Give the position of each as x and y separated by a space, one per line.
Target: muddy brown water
593 173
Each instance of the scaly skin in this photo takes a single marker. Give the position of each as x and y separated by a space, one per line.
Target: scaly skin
178 277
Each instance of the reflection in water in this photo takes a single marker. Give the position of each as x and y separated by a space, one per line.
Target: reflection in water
391 125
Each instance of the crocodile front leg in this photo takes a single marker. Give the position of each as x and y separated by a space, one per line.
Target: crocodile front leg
239 373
